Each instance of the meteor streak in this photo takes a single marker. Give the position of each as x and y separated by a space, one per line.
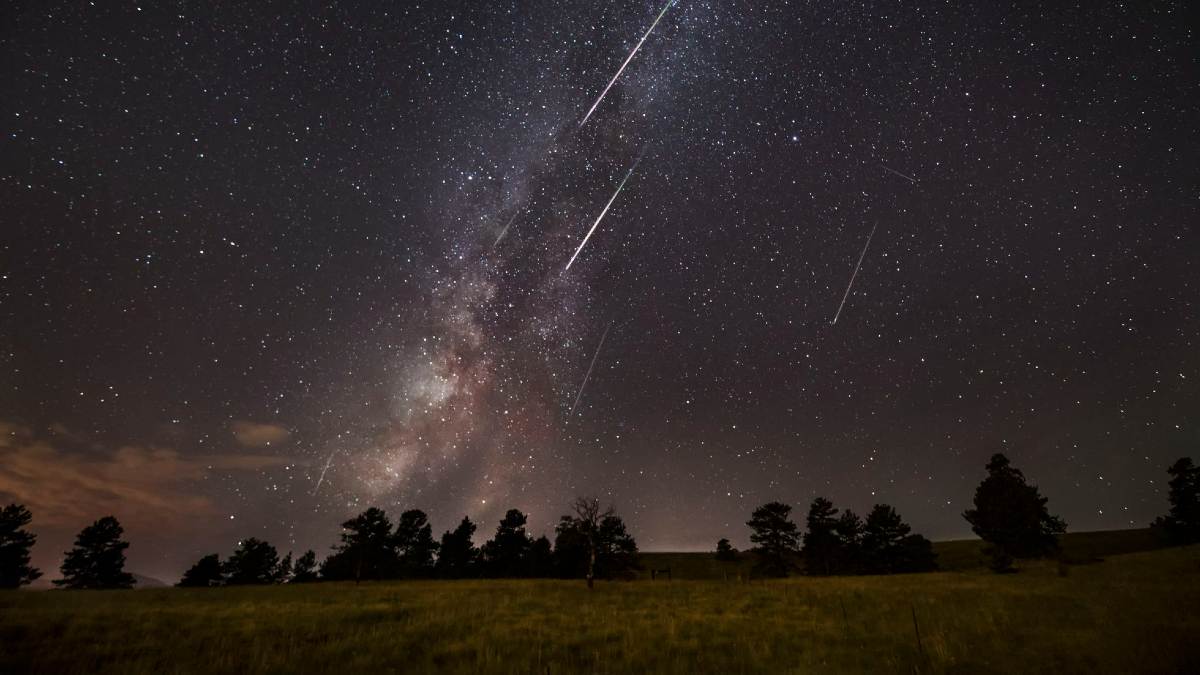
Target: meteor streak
590 367
904 176
601 216
322 478
852 276
627 60
505 230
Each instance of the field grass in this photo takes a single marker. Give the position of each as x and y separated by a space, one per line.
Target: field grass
1131 613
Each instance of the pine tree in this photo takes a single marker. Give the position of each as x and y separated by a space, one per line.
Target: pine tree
98 559
1182 524
776 537
457 555
15 545
821 543
1011 516
504 555
206 572
254 562
889 547
725 551
305 569
414 544
367 550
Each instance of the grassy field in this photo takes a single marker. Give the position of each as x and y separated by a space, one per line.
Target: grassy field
1131 613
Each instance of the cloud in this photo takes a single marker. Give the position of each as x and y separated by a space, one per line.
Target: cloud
142 486
257 435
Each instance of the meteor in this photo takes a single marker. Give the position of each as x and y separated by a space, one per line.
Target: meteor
322 478
904 176
601 216
505 230
590 367
627 60
852 276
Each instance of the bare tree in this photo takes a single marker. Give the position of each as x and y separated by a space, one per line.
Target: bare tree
588 518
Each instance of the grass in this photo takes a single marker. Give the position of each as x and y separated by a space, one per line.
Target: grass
1131 613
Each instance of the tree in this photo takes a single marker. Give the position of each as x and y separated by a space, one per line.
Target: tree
616 550
849 531
541 558
283 573
1181 525
725 551
822 546
367 551
889 547
15 545
776 536
206 572
593 543
457 555
414 544
1011 516
98 559
254 562
505 555
305 569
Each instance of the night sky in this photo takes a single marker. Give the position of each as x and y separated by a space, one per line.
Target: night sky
255 274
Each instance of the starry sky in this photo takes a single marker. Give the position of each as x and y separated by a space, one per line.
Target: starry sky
263 265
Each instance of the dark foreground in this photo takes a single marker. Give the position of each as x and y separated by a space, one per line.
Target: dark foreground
1130 613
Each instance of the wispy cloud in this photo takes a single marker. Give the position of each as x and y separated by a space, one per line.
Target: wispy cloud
66 485
259 435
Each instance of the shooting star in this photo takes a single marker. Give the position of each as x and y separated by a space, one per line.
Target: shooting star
322 478
852 276
591 366
606 207
505 230
627 60
904 176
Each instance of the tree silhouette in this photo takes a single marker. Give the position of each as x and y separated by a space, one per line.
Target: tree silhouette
505 555
15 544
725 551
822 546
593 543
283 573
541 558
305 569
457 555
889 547
414 544
367 551
776 537
254 562
849 531
206 572
1011 516
1181 525
98 559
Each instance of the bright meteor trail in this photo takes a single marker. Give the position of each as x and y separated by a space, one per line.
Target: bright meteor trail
852 276
505 230
627 60
601 216
591 366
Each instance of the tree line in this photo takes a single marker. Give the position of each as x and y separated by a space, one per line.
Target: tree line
590 543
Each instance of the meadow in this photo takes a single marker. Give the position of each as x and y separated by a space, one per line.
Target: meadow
1135 612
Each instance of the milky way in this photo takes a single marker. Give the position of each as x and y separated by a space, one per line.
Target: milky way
253 249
